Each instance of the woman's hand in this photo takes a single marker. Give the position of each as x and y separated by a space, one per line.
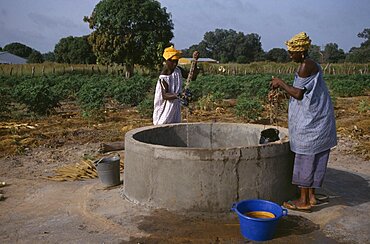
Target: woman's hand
292 91
276 82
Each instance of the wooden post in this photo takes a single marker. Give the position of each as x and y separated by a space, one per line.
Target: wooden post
33 71
43 69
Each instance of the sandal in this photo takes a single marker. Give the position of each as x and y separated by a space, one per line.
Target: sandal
321 197
319 203
292 206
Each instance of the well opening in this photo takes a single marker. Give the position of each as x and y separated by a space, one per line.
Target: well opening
212 135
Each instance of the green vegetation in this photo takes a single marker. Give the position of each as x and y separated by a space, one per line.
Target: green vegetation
364 106
146 106
38 94
42 94
74 50
131 91
129 32
248 108
91 96
5 100
348 86
18 49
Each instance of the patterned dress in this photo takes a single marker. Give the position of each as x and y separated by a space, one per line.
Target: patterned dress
311 120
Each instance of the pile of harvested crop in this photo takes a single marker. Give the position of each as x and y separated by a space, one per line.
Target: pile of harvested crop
80 171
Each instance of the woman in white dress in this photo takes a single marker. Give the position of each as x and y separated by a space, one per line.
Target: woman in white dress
167 104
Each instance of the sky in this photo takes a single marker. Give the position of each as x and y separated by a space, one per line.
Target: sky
40 24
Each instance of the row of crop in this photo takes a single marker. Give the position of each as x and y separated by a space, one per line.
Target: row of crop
41 95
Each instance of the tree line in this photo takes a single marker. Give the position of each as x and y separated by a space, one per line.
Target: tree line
136 32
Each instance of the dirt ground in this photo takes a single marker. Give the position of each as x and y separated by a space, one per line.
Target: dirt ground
38 210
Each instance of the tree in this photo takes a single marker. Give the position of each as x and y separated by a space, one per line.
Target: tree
253 50
333 54
364 34
49 56
277 55
358 55
315 53
74 50
201 47
230 46
18 49
361 54
35 57
129 32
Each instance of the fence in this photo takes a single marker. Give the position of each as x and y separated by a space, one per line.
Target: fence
207 68
282 68
55 68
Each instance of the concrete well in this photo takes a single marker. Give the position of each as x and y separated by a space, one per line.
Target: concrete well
205 167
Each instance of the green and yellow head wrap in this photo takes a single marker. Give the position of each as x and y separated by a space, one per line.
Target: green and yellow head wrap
299 43
171 53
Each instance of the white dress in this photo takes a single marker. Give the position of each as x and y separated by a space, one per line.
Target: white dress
168 111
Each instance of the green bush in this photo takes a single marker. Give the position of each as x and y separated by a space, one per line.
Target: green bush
226 87
348 85
363 106
146 106
248 108
221 86
131 91
68 85
38 94
91 97
5 100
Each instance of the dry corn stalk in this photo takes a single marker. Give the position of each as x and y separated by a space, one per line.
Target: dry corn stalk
83 170
80 171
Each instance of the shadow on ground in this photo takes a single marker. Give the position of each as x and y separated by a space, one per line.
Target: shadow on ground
344 188
294 225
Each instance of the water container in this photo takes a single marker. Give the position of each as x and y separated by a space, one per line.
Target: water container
109 170
258 229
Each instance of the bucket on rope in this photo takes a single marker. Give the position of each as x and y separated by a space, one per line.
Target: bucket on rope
269 135
109 170
258 218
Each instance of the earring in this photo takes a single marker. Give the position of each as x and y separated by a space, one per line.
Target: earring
302 56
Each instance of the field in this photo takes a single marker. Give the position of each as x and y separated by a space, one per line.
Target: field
33 146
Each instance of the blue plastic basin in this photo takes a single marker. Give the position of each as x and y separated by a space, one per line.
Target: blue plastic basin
258 229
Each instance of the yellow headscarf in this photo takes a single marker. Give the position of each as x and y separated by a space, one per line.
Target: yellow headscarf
171 53
299 43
